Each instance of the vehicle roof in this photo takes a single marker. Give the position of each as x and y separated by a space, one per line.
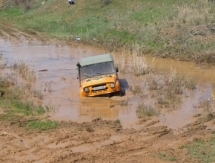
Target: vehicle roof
96 59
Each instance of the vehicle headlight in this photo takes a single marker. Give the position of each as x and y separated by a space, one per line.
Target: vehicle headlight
86 89
112 85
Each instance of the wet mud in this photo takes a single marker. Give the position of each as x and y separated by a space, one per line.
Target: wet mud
99 141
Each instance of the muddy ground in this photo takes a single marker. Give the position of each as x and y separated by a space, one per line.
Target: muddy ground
104 136
100 141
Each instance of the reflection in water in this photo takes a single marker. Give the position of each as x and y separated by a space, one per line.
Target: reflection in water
99 107
61 88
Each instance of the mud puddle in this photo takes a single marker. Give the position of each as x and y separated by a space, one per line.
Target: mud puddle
55 67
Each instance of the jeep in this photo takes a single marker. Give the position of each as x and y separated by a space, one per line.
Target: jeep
98 76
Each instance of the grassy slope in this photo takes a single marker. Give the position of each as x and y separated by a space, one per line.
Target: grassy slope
169 28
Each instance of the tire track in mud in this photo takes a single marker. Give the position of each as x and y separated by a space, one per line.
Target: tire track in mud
96 141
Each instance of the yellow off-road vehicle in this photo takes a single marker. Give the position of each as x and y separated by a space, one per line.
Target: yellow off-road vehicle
98 76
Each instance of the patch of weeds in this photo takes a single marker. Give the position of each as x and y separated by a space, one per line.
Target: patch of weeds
145 111
120 62
139 65
206 105
24 71
136 90
25 108
117 122
202 150
37 93
207 57
124 102
13 93
105 2
210 116
164 156
190 83
89 129
153 85
169 93
175 83
42 125
48 87
163 101
9 117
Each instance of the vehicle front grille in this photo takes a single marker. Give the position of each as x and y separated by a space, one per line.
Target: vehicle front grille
99 87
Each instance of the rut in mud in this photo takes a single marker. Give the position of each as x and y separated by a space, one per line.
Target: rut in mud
100 141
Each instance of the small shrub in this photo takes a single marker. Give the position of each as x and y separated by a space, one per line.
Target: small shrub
117 122
24 71
124 102
120 62
206 105
145 111
190 83
206 57
105 2
136 90
153 85
139 65
37 93
175 83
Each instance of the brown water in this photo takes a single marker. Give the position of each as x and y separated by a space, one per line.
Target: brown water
60 87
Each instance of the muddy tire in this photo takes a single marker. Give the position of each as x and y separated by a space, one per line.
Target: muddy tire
121 92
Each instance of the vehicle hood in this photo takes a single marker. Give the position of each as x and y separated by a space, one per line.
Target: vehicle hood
101 79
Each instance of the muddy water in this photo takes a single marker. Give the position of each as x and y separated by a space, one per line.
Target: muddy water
55 67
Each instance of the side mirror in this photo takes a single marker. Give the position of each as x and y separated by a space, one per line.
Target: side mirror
117 70
78 64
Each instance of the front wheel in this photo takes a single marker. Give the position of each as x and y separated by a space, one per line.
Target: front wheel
121 92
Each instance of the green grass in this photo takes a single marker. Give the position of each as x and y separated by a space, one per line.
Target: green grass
15 106
10 13
42 125
164 156
171 28
202 150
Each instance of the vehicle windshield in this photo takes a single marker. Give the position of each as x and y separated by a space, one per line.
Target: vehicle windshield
97 69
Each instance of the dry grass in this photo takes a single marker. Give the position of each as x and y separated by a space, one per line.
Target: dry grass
132 63
120 62
145 111
139 65
25 72
2 62
169 88
206 105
